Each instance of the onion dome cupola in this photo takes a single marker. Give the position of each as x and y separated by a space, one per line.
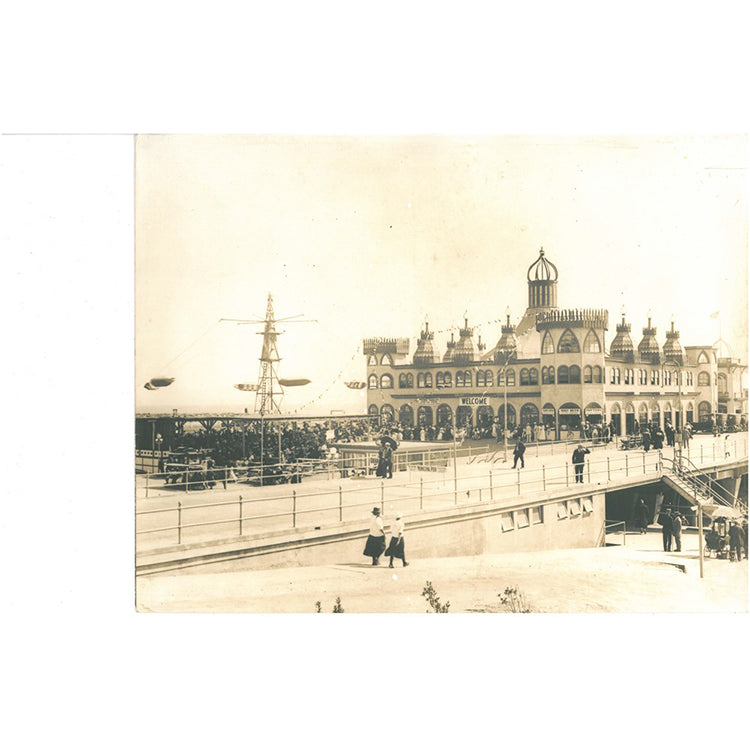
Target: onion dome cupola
542 278
507 342
425 354
450 348
622 344
464 351
672 348
649 349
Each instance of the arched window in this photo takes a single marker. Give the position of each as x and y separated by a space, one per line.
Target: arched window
424 416
460 379
568 343
406 415
511 377
704 411
598 374
591 343
372 381
547 346
372 360
488 379
722 383
420 380
667 379
704 379
703 358
524 376
617 375
562 374
481 382
386 381
529 414
501 415
439 380
545 376
467 379
372 410
386 359
405 380
574 374
533 376
642 377
689 378
628 376
655 414
448 380
643 415
428 380
444 415
386 413
588 374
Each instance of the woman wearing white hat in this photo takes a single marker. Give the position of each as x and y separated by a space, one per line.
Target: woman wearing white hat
396 545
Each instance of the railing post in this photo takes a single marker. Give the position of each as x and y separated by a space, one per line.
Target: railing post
480 494
294 509
588 471
240 515
146 484
713 450
609 473
567 475
518 481
341 505
492 492
544 478
179 522
382 497
644 461
627 470
420 493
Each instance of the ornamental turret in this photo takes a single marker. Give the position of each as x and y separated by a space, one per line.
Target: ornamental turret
464 351
542 278
450 348
425 354
672 348
507 342
622 344
649 349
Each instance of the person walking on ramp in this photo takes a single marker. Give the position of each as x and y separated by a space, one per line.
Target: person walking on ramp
396 545
518 452
578 459
375 545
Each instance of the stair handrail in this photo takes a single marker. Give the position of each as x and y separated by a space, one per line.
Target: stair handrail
692 475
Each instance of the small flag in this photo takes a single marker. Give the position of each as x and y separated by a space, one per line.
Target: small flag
714 315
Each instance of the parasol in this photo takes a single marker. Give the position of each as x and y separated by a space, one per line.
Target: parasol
388 440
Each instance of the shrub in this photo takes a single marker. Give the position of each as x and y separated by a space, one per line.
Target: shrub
514 601
433 600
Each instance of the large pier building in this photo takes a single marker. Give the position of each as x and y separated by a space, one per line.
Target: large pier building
553 368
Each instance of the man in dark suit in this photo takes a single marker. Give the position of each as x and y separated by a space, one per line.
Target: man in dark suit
665 521
518 452
578 459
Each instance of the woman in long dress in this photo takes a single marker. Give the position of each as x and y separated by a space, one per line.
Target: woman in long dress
396 545
375 545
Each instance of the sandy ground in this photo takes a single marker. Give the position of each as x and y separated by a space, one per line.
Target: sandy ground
636 578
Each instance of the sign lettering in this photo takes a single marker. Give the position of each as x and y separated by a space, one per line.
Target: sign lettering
474 401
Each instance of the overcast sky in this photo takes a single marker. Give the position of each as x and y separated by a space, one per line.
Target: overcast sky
372 235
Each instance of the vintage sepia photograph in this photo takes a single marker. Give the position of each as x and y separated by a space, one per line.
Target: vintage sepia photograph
441 374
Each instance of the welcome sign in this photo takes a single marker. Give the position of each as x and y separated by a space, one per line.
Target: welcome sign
474 401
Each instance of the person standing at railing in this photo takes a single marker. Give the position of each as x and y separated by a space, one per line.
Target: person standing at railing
518 452
665 521
578 458
375 545
396 545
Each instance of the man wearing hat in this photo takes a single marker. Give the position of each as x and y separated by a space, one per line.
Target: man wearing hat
735 542
375 545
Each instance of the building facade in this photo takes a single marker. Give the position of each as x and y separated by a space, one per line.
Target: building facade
553 368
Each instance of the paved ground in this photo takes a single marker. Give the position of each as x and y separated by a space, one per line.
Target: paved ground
214 514
638 577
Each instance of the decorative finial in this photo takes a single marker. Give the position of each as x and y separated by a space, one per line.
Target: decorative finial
541 251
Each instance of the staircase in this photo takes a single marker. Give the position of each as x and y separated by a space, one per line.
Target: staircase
690 482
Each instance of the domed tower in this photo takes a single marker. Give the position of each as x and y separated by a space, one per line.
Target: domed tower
425 354
622 344
672 348
464 351
507 342
542 278
649 349
450 348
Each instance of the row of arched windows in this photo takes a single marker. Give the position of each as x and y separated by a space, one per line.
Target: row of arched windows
568 343
627 376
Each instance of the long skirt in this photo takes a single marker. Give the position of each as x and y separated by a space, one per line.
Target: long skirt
374 546
395 548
